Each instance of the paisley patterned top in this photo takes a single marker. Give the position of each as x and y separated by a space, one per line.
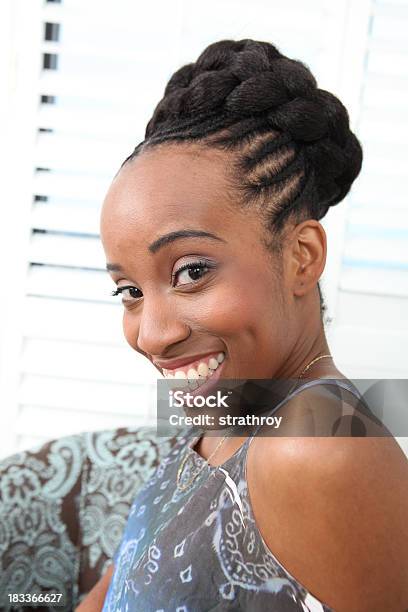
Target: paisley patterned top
200 549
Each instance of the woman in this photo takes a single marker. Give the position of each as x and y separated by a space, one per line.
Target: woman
212 235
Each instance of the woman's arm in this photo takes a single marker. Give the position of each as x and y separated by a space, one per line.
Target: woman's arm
334 511
93 602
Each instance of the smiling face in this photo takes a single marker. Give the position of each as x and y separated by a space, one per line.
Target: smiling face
231 300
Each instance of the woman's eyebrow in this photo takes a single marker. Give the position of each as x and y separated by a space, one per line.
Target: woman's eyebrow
167 239
176 235
114 267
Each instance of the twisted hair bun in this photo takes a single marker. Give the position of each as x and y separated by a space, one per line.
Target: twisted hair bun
293 148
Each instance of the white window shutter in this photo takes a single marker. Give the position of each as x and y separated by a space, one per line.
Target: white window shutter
371 326
97 79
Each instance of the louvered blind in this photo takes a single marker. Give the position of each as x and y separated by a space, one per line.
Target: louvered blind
100 74
372 307
102 68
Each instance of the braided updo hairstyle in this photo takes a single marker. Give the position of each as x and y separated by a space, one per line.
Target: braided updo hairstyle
293 154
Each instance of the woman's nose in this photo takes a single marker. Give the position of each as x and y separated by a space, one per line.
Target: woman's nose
159 328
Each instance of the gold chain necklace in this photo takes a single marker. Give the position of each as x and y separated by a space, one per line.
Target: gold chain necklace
206 461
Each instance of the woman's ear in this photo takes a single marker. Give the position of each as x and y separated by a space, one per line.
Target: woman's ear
308 250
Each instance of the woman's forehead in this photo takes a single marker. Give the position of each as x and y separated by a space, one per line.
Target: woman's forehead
164 187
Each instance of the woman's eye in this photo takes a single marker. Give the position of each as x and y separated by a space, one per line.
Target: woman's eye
185 275
129 293
191 272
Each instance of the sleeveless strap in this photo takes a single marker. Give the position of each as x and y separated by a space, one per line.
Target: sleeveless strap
348 386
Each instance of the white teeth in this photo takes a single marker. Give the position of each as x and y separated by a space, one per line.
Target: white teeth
213 363
196 376
194 384
182 379
202 369
192 377
202 380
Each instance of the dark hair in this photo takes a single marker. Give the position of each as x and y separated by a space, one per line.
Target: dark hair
293 153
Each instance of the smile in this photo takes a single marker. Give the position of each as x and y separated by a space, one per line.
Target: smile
197 373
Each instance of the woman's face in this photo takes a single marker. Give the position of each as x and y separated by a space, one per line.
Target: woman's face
230 302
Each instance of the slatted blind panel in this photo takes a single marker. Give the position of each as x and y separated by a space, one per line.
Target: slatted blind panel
101 74
372 325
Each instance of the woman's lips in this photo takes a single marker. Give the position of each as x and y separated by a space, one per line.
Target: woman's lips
191 362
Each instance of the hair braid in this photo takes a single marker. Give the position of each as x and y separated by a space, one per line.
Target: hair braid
293 152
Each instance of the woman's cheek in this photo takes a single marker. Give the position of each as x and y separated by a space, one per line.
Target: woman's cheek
226 311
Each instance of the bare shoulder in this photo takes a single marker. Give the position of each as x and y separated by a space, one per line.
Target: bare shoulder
94 601
334 512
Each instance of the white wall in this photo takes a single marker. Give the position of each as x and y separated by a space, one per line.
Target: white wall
64 364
